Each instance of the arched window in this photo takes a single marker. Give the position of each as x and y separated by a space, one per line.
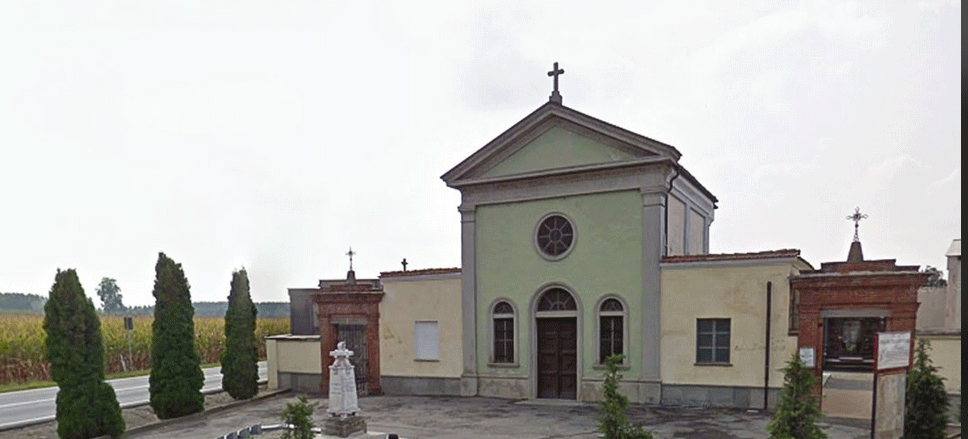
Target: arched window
503 316
611 329
557 299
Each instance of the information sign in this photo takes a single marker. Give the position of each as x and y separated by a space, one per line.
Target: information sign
893 350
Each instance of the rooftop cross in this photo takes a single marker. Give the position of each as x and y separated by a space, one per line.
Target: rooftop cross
555 96
404 263
350 254
856 217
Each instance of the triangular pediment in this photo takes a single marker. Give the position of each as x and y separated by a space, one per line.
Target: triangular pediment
555 137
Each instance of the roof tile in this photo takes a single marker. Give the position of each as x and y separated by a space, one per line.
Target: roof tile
422 272
769 254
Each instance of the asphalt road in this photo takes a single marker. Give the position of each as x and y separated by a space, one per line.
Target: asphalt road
37 405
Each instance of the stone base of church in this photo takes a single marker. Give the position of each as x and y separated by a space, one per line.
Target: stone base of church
638 392
642 392
422 386
717 396
468 386
503 387
343 427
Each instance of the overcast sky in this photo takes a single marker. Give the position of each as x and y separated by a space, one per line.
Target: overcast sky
275 135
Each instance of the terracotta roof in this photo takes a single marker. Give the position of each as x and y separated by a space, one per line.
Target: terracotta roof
422 272
349 288
770 254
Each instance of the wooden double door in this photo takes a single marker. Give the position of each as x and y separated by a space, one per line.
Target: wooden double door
557 358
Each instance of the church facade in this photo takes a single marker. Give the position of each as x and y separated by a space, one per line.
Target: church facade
564 221
580 240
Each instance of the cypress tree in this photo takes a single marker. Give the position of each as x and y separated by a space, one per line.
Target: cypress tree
86 406
240 368
798 412
925 416
176 378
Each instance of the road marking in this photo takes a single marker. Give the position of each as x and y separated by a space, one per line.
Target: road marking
36 401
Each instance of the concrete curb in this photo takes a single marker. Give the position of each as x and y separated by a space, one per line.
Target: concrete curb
52 418
165 422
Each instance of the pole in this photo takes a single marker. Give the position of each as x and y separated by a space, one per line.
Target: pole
874 393
766 363
130 354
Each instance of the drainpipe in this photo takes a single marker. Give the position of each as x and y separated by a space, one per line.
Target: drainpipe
665 232
766 364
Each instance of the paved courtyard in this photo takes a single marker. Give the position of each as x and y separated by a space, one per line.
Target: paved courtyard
455 417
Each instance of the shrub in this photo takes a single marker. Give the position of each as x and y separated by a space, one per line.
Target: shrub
299 417
614 419
798 412
86 406
925 415
176 378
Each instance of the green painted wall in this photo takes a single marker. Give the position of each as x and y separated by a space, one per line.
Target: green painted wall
557 148
606 259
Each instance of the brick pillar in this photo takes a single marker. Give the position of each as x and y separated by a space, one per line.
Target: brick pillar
811 334
327 341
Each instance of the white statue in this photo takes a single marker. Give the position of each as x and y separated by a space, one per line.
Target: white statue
342 383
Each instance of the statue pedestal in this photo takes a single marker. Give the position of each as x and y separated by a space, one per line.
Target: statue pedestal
342 396
343 427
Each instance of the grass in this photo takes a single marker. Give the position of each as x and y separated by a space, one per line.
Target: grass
13 387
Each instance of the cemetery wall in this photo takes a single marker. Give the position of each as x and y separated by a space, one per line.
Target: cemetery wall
734 290
293 362
421 298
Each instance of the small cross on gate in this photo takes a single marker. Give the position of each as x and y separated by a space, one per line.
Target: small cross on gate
856 217
555 96
350 254
404 263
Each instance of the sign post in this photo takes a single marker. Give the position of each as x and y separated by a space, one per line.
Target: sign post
129 326
892 359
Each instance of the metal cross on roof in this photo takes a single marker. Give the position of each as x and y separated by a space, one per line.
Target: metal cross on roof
404 263
856 217
555 96
350 254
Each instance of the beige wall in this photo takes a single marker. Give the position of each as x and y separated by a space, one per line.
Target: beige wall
697 229
932 309
945 353
953 305
292 354
409 299
734 290
676 226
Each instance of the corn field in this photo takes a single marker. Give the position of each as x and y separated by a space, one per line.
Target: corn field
22 343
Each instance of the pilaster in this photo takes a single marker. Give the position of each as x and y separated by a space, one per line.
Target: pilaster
653 244
468 381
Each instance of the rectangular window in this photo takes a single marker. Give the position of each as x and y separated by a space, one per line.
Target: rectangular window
794 312
425 338
610 341
712 341
503 340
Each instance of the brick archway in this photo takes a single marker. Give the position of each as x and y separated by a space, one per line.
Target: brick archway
352 305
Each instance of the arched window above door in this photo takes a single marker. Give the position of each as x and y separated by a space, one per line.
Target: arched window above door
557 299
